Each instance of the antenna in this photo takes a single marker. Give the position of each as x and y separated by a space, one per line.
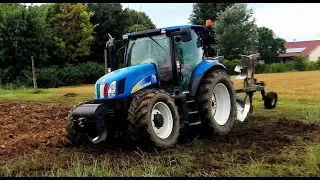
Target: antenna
137 18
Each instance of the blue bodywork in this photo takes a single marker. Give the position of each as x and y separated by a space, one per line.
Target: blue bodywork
139 74
200 70
205 65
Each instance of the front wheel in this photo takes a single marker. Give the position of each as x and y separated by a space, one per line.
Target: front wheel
81 134
153 119
216 102
75 134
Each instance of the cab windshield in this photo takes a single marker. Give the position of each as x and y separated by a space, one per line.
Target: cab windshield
144 50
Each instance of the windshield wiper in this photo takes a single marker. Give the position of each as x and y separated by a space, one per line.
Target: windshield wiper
130 52
155 42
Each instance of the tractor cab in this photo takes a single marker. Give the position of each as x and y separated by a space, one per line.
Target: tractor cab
172 58
175 51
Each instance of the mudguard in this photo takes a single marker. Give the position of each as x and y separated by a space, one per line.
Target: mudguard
200 70
133 78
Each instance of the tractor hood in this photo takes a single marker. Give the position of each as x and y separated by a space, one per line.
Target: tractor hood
125 81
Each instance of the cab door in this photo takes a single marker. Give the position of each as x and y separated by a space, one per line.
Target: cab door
188 56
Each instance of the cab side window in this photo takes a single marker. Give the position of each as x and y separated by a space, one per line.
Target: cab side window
190 54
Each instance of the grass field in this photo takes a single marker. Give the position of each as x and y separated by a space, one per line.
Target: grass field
279 142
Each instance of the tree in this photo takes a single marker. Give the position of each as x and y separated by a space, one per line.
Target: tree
72 31
204 11
137 27
22 35
111 19
269 46
138 20
236 31
301 63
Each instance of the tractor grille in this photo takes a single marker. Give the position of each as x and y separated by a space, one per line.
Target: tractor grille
121 86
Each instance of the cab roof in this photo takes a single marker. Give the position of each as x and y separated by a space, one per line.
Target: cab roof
158 31
174 28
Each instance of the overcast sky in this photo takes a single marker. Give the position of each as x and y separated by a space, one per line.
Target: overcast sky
288 20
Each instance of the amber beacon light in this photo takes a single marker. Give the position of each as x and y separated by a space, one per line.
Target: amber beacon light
208 23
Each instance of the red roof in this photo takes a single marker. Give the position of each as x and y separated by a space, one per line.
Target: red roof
308 45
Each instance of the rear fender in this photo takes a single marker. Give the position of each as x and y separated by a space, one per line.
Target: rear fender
201 70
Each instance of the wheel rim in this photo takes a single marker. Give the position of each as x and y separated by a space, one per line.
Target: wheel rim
273 101
221 104
98 138
163 130
94 136
242 111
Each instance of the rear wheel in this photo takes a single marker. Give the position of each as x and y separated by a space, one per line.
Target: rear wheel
153 119
216 102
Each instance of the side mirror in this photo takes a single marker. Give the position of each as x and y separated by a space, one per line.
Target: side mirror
177 38
184 33
112 53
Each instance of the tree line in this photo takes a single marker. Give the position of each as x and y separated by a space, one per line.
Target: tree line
65 35
60 34
235 31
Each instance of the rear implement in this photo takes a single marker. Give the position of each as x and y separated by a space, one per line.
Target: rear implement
246 68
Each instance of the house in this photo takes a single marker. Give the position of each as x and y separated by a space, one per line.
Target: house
310 49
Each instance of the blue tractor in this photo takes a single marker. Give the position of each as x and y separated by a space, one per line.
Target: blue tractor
168 82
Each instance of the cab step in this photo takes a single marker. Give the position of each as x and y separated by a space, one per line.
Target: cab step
193 112
194 123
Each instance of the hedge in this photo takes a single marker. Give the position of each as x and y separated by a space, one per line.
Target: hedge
54 77
90 72
300 63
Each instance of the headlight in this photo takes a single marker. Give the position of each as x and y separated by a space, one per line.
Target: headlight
112 90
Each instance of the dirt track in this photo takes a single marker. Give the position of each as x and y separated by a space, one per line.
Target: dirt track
29 126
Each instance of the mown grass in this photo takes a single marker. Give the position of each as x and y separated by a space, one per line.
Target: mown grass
182 161
291 85
55 94
89 166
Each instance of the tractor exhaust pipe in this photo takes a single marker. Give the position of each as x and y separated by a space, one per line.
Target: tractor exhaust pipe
112 54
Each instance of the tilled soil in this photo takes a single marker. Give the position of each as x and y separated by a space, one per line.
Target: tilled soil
26 127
